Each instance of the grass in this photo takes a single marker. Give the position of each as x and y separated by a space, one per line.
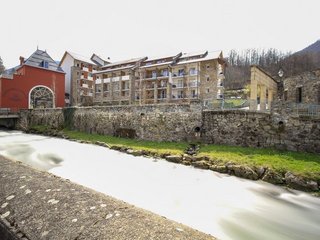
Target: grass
155 147
303 164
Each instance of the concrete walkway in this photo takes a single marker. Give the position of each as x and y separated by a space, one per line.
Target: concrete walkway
38 205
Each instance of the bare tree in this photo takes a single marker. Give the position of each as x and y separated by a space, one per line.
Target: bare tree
2 68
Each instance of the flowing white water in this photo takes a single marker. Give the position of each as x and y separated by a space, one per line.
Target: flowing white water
223 206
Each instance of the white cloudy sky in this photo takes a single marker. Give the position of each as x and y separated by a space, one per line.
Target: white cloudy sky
123 29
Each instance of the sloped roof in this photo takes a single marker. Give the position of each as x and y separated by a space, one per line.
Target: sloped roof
80 58
37 58
132 60
209 56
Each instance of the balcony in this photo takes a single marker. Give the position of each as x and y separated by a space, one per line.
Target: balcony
178 75
126 77
194 84
98 81
115 79
85 85
194 73
162 86
85 69
179 85
90 78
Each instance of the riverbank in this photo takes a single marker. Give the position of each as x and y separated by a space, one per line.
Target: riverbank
39 205
295 170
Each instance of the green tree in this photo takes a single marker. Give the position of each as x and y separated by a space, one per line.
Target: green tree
2 68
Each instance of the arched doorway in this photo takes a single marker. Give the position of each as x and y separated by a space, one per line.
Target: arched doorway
41 97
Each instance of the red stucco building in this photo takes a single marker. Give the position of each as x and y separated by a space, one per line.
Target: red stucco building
38 82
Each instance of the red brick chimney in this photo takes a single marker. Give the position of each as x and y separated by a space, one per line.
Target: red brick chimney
21 60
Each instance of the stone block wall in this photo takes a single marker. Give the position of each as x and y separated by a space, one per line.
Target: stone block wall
309 82
258 129
186 123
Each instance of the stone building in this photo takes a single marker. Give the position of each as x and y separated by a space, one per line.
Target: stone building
168 79
79 79
303 88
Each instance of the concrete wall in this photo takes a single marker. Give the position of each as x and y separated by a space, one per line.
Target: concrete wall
187 123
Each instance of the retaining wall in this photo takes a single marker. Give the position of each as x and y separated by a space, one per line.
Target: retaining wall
186 123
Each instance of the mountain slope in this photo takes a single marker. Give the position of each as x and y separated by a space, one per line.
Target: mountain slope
313 48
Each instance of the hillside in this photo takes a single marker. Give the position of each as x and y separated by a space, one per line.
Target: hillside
313 48
271 60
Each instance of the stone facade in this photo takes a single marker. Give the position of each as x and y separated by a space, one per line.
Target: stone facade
187 123
303 88
258 129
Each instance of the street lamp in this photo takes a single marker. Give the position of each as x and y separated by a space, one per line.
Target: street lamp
280 84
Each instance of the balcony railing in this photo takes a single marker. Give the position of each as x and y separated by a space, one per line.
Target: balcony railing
177 75
85 69
85 85
90 78
179 85
126 77
116 79
194 73
194 84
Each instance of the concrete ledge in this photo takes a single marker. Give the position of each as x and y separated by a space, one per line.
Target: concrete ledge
39 205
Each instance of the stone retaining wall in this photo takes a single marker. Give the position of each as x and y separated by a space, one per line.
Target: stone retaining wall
186 123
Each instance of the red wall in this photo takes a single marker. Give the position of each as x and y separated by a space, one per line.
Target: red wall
15 92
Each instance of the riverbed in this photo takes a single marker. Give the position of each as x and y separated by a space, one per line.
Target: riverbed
224 206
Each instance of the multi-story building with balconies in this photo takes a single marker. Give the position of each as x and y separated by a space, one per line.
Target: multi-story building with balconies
169 79
79 78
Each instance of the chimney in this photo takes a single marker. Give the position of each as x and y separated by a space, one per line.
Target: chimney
21 60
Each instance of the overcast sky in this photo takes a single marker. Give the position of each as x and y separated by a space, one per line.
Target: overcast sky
122 29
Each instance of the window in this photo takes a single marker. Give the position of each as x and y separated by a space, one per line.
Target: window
154 74
299 95
41 97
180 72
163 94
208 78
193 71
180 83
78 65
106 87
45 64
115 86
164 72
208 66
285 95
208 90
98 88
193 93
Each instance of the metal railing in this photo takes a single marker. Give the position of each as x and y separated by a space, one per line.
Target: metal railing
303 109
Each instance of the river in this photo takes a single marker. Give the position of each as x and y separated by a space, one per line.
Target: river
224 206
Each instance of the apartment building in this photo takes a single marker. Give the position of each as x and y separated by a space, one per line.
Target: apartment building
169 79
79 78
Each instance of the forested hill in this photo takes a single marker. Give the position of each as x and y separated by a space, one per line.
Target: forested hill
271 60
